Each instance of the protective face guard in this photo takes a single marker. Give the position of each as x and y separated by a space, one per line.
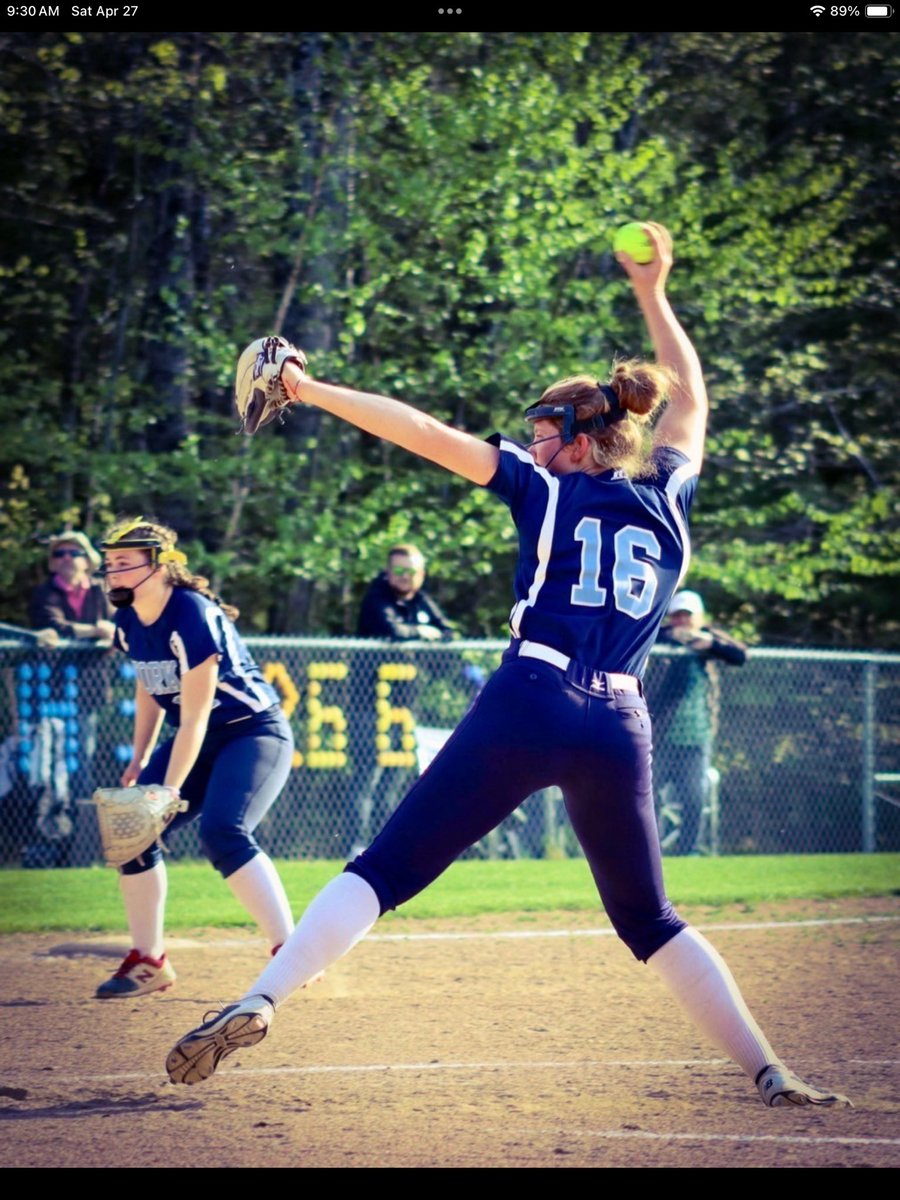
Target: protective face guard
119 540
571 425
160 554
154 546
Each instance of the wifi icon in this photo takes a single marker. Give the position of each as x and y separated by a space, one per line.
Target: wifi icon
818 9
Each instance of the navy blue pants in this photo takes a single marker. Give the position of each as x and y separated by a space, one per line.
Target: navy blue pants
238 774
530 728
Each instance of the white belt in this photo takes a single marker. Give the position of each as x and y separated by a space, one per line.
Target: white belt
625 683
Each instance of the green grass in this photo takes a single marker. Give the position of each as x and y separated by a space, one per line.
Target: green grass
88 898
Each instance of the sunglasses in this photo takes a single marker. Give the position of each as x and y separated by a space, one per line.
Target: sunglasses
68 554
403 570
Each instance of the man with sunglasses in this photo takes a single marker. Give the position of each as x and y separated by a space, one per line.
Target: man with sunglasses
71 601
70 604
397 607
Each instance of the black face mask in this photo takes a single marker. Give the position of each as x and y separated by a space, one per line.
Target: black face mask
123 597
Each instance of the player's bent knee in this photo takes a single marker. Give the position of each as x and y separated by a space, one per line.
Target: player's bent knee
145 862
643 942
386 898
228 849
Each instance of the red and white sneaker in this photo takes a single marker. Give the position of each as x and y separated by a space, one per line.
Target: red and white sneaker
138 975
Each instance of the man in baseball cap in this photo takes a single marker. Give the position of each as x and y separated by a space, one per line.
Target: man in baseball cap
687 602
70 601
68 604
685 692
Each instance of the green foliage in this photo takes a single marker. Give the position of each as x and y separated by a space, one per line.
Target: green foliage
430 216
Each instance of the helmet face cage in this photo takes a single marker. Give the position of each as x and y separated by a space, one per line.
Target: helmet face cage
119 539
565 412
153 544
571 425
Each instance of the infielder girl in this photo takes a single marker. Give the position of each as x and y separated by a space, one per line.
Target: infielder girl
603 543
230 750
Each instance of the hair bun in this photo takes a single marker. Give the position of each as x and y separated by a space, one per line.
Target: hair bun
640 386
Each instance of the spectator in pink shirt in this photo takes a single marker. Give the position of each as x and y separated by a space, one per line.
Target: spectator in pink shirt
70 601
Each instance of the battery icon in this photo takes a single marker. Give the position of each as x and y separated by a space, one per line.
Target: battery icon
879 10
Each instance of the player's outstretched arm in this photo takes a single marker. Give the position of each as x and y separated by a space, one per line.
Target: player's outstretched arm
683 423
398 423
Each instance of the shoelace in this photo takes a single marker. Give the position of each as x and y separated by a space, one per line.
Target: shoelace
215 1012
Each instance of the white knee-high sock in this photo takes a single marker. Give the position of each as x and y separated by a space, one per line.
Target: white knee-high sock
342 913
145 908
257 886
700 980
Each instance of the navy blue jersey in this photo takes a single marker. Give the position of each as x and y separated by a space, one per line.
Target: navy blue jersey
189 630
600 556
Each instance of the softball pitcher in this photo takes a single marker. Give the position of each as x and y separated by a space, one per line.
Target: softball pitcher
602 518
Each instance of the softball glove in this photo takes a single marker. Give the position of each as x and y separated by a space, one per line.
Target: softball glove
259 393
131 819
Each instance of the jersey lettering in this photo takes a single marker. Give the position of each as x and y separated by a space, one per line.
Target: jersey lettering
634 580
159 678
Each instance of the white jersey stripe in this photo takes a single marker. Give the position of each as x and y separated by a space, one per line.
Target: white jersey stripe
545 538
676 481
253 702
176 644
254 696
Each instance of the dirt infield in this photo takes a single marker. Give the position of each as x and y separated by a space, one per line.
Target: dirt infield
498 1042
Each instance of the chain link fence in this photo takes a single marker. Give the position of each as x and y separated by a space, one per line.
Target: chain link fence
800 750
